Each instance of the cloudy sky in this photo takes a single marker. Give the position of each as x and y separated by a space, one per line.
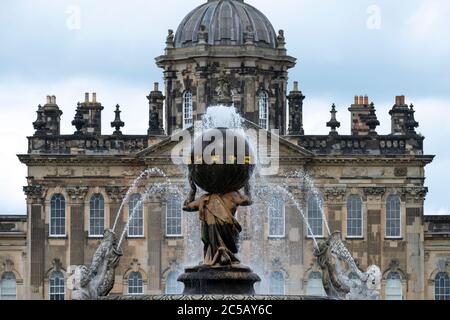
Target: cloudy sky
381 48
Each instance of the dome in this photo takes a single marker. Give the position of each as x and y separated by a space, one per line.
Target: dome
226 21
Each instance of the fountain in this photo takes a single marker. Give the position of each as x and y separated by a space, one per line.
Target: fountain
221 271
222 163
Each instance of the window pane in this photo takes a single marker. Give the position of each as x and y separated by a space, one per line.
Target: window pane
393 217
315 218
135 284
442 286
97 216
136 213
173 217
187 110
173 286
276 217
394 287
263 110
315 285
354 217
276 284
57 286
8 286
58 215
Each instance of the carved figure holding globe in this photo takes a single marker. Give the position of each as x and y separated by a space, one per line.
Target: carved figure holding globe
221 271
217 208
220 229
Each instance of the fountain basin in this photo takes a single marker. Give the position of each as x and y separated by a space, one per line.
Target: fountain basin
217 297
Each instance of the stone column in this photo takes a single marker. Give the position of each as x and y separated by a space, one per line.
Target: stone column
334 204
155 238
295 234
374 198
202 96
169 78
413 233
77 233
36 235
250 111
280 105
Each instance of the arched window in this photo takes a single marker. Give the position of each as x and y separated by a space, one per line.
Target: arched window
393 217
173 217
315 285
354 217
57 286
135 284
277 222
315 217
394 289
97 216
136 208
263 102
173 286
58 216
276 287
8 286
442 286
188 110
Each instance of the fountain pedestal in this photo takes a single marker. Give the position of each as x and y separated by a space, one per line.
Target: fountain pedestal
228 280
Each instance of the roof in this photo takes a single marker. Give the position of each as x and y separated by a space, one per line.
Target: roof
226 22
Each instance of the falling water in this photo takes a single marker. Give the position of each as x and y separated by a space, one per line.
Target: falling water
310 188
167 187
228 117
144 174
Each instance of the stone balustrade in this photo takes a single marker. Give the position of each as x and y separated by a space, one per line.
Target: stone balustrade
80 144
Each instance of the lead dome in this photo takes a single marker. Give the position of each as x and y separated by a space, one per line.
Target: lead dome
226 22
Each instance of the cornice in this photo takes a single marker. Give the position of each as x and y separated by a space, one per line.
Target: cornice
52 159
371 160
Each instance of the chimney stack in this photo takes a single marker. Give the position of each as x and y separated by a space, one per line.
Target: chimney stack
295 85
400 100
359 111
86 97
94 97
156 86
51 115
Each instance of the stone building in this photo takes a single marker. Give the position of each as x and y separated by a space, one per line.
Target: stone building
370 186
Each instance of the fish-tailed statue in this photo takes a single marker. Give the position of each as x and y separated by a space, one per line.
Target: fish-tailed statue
90 283
342 279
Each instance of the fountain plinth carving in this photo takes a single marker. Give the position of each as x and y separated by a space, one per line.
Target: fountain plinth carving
221 271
